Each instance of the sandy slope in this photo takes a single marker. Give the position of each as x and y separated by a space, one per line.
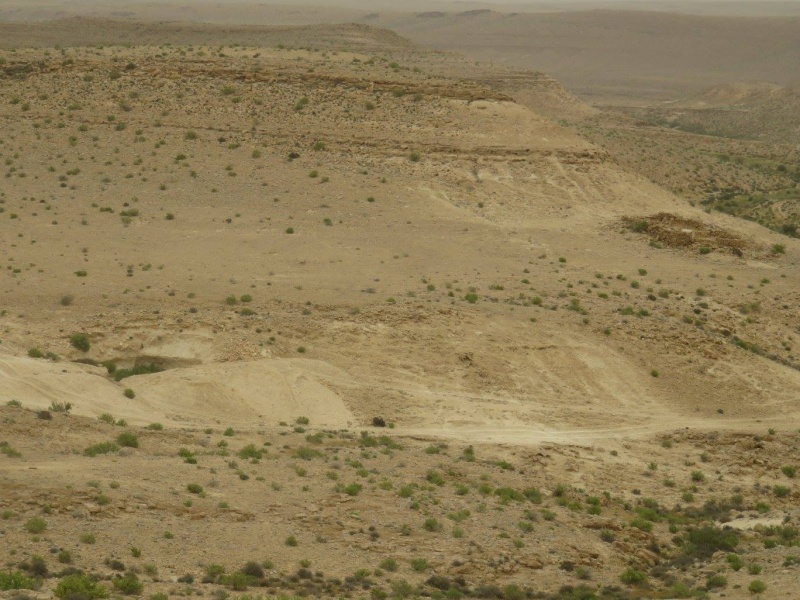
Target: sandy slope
560 345
572 312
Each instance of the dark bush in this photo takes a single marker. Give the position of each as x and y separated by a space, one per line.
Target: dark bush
128 439
128 584
252 569
439 582
80 341
703 542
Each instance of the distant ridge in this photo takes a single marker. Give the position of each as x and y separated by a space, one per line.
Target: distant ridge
87 31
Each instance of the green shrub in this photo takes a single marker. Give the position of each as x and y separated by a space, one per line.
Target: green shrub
120 374
250 452
129 393
716 581
389 564
128 584
353 489
101 448
306 453
9 451
533 494
506 494
128 439
434 477
735 561
704 541
80 586
35 525
15 580
80 341
432 524
60 407
194 488
213 573
419 564
756 587
632 576
781 491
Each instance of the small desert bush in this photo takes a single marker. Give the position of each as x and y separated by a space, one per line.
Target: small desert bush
632 576
79 586
252 569
128 439
353 489
781 491
35 525
419 564
756 587
705 541
16 580
432 524
8 451
101 448
389 564
60 407
128 584
237 581
250 451
306 453
80 341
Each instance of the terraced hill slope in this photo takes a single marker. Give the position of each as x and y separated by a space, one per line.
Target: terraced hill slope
245 256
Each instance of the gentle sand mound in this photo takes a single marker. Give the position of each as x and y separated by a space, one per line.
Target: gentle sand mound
262 392
259 392
37 383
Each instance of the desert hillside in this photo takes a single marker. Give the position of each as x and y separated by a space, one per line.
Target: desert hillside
603 51
764 112
311 311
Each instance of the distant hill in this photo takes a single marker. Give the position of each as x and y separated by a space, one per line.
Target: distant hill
764 112
620 53
83 31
